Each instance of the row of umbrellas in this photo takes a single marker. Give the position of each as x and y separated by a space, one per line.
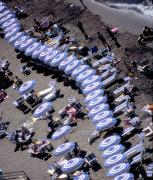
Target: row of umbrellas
90 83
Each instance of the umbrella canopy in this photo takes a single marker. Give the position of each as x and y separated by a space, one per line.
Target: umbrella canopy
42 109
79 70
2 4
6 18
38 50
114 160
4 13
118 169
94 94
102 115
11 33
70 67
30 49
64 148
92 87
9 23
105 124
61 132
97 109
108 142
15 37
66 62
57 59
2 8
83 176
19 41
26 44
125 176
27 86
84 75
45 52
112 150
50 56
91 79
11 27
96 101
72 165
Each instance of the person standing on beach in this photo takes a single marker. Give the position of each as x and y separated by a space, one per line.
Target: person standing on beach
80 26
103 40
85 7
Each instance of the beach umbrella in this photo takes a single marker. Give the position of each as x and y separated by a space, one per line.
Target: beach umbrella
93 94
38 50
96 101
112 150
58 59
50 56
114 160
72 165
2 8
83 176
118 169
79 70
95 110
15 37
92 87
105 124
19 41
44 53
42 109
26 44
9 23
61 132
64 148
4 13
27 86
85 74
109 141
90 80
12 32
30 49
70 67
66 62
125 176
2 4
102 115
9 28
6 18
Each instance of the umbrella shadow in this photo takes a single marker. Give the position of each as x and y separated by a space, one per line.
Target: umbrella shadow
116 130
127 145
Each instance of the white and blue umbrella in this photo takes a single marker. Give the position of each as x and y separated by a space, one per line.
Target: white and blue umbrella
72 165
112 150
58 59
14 25
27 86
92 87
125 176
38 50
102 115
83 176
26 44
12 32
66 62
97 109
30 49
70 67
44 53
6 18
2 4
84 75
9 23
64 148
90 80
15 37
79 70
96 101
50 56
19 41
2 8
61 132
43 109
118 169
94 94
4 13
114 160
105 124
109 141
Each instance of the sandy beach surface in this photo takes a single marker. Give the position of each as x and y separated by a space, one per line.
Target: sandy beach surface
94 19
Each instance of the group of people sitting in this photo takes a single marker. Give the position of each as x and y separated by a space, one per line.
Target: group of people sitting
146 36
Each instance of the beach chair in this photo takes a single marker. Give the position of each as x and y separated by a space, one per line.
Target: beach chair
148 130
110 79
121 98
20 104
127 131
144 66
137 158
118 109
71 100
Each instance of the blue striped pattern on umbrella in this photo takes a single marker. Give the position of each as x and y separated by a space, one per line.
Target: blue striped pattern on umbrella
50 56
57 59
6 18
11 33
26 44
45 52
2 8
4 13
84 75
42 109
91 79
82 177
118 169
61 132
110 141
14 38
9 23
112 150
11 27
92 87
2 4
97 109
27 86
64 148
79 70
96 101
66 61
72 165
105 124
125 176
94 94
114 160
102 115
37 51
30 49
70 67
19 41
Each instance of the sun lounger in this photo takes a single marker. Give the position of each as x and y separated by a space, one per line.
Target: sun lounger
137 159
128 130
148 131
121 98
119 108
